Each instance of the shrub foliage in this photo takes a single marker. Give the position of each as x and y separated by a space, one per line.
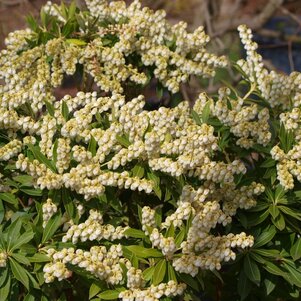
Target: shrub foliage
102 198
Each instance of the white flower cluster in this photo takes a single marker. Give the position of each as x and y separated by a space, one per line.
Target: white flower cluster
278 89
166 244
288 165
201 257
153 293
10 150
174 53
3 259
48 210
246 122
93 229
103 263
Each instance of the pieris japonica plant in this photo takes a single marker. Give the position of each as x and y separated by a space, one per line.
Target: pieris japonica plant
102 198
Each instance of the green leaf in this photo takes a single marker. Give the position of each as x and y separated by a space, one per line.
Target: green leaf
160 270
51 227
138 171
68 203
92 147
206 112
123 140
295 250
19 273
265 237
50 108
279 222
32 191
9 198
41 157
180 237
195 116
21 258
293 213
25 180
5 288
293 275
144 252
109 295
94 290
251 270
266 252
257 218
273 269
268 163
189 280
23 239
54 151
134 233
29 297
13 233
148 273
274 211
171 272
269 284
65 111
76 42
244 286
38 257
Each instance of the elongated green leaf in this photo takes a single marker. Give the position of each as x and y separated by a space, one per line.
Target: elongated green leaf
274 211
293 213
171 272
29 297
279 222
269 284
38 257
265 237
296 250
54 151
273 269
41 157
9 198
32 191
144 252
50 108
196 117
94 290
160 270
21 258
51 227
134 233
206 112
189 280
76 42
65 111
266 252
294 275
23 239
180 237
5 288
109 295
243 286
138 171
13 233
92 147
268 163
68 203
251 270
19 272
123 140
148 273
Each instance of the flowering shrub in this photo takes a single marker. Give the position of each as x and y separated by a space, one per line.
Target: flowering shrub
103 199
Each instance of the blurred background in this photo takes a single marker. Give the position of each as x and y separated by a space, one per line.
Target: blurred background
276 23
